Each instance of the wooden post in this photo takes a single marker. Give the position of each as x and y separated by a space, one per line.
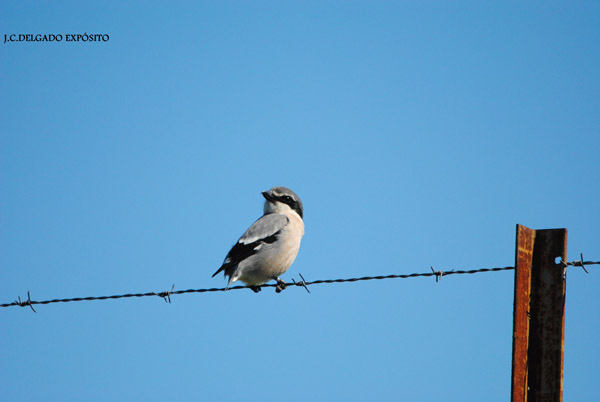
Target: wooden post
539 315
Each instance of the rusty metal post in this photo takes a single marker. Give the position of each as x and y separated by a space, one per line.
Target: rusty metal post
539 315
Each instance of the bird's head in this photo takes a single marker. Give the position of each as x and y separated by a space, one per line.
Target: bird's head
280 199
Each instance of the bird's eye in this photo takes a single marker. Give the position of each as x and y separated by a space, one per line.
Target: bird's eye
287 198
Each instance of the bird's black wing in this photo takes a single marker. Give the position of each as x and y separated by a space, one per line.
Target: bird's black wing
263 231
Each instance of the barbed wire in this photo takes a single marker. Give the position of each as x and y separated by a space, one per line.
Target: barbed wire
166 295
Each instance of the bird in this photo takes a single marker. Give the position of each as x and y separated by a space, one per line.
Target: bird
270 245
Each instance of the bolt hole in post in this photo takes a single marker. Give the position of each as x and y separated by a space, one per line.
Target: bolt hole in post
558 260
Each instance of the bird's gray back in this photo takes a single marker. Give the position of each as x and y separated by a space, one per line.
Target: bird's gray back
264 227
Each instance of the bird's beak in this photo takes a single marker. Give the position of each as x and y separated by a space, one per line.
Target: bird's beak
267 196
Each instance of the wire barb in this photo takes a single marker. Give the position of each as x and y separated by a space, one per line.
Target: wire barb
303 283
26 303
438 274
166 295
580 263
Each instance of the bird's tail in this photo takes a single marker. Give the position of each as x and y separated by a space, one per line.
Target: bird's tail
219 270
230 270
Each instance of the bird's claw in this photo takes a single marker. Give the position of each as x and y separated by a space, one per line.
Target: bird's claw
255 289
281 285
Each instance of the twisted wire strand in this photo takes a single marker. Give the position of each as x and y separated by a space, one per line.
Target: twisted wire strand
166 295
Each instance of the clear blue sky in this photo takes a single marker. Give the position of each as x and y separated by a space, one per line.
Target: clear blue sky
418 134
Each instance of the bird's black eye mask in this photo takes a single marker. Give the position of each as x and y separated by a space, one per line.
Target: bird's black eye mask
292 203
285 199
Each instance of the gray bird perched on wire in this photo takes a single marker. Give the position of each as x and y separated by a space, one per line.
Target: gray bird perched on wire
269 247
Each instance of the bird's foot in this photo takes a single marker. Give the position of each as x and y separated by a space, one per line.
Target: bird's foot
280 285
255 289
